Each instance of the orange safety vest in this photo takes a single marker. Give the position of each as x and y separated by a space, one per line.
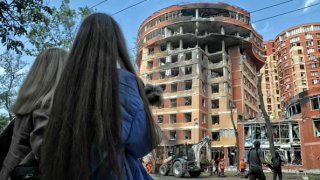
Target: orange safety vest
242 165
222 166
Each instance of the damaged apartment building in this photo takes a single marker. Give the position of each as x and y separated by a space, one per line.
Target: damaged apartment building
205 56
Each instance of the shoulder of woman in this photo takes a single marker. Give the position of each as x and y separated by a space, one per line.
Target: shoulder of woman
128 80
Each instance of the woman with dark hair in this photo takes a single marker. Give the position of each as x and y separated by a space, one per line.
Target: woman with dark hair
100 123
31 111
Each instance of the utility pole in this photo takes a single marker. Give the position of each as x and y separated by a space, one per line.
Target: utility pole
232 105
266 117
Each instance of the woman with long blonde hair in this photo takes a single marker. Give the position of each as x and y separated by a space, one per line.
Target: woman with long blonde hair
31 109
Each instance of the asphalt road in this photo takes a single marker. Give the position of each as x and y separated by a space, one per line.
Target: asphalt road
203 177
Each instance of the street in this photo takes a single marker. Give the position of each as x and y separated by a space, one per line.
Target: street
204 177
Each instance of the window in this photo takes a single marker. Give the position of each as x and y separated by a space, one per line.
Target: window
162 74
188 85
174 58
301 66
162 86
172 118
187 101
214 88
204 118
163 47
188 56
215 104
315 101
149 76
173 135
304 82
299 51
150 51
187 134
187 117
173 72
313 65
294 109
267 79
215 119
300 59
303 75
173 102
174 87
188 70
316 126
311 58
162 62
215 136
160 119
315 81
204 102
149 64
314 73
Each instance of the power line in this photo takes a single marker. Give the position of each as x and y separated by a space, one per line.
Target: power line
140 2
98 4
285 13
270 6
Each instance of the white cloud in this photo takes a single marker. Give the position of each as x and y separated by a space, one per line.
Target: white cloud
308 3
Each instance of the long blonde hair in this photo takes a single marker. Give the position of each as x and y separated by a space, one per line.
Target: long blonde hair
41 81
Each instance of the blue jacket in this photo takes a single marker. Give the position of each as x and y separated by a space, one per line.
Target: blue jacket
134 131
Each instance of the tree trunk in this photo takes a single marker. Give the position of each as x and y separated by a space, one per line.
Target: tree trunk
266 117
236 135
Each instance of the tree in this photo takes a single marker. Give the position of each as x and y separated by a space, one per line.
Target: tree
266 117
10 79
236 134
3 121
60 30
15 18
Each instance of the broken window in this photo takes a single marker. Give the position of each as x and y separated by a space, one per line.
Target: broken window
174 58
150 51
173 135
188 70
162 62
215 119
215 136
174 72
187 117
294 109
315 101
149 76
187 101
215 104
163 47
160 118
188 85
204 102
214 88
204 118
316 124
173 118
187 134
173 102
174 87
149 64
295 133
163 86
162 74
188 56
215 74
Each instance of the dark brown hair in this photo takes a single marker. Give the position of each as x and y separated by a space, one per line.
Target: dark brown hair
86 106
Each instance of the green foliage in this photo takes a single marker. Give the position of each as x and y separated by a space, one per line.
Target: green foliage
11 76
15 18
60 30
4 120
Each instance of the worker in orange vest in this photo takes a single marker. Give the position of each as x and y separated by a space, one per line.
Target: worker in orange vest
222 167
149 166
242 168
